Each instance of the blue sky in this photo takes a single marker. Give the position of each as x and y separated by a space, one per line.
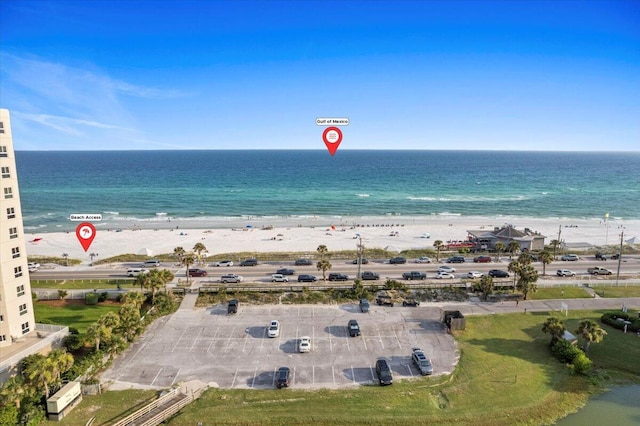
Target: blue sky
517 75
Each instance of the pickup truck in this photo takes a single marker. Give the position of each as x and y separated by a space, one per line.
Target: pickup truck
599 271
368 275
414 275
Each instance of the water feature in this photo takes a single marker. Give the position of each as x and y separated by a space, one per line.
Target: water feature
620 406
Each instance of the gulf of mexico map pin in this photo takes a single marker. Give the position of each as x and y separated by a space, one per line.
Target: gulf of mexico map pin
85 232
332 136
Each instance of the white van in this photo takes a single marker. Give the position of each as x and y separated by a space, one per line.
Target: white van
152 263
134 272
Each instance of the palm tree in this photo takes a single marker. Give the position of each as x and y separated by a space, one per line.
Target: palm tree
38 373
179 253
12 390
166 276
515 267
554 327
512 248
546 258
130 325
486 285
154 282
323 251
527 280
438 245
60 362
324 266
554 244
499 248
188 259
591 332
199 248
133 298
142 280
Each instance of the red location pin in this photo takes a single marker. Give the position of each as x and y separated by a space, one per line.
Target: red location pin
332 136
85 232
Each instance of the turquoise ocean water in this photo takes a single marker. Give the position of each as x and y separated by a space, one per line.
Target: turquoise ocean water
201 185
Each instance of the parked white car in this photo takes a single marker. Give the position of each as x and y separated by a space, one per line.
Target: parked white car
474 274
445 268
565 273
444 275
33 266
305 344
274 328
279 278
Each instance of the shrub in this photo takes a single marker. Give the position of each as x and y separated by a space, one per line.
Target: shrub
582 364
62 294
91 298
611 319
73 342
103 296
565 351
395 285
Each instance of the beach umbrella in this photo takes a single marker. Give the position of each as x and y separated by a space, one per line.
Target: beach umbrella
146 252
633 240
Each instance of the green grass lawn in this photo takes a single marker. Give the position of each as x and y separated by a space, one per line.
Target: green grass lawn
75 314
81 284
620 291
559 293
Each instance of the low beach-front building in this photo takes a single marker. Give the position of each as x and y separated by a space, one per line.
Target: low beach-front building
528 240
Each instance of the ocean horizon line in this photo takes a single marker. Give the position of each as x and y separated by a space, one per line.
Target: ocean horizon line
339 150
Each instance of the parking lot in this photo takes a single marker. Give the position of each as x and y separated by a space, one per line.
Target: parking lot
233 351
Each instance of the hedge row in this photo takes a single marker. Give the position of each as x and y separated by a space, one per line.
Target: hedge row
612 320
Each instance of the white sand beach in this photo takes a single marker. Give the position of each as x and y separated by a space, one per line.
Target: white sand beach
397 233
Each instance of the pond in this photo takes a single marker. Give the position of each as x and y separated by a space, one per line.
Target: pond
620 406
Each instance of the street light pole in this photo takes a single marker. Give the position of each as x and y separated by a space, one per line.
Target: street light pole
619 257
360 250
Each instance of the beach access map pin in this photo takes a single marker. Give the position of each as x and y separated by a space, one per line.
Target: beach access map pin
332 136
85 232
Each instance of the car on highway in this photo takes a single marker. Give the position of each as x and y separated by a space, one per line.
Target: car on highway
223 263
151 263
307 278
398 260
482 259
474 274
414 275
249 262
368 275
353 328
283 376
279 278
285 271
423 259
364 305
334 276
444 275
565 273
303 262
445 268
33 266
134 272
232 307
599 271
570 258
456 259
231 278
602 256
273 330
383 371
305 344
197 273
364 261
421 361
498 273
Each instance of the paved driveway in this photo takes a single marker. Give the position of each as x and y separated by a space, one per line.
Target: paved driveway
235 352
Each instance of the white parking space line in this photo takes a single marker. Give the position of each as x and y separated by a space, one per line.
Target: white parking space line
244 345
380 339
364 340
273 379
293 378
333 375
347 340
409 369
373 377
353 376
214 339
235 375
313 374
397 340
178 341
330 343
253 382
264 336
175 377
226 349
196 339
156 378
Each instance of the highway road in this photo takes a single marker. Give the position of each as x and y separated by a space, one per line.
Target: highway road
629 268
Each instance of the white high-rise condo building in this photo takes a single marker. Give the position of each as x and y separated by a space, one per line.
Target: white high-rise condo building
16 308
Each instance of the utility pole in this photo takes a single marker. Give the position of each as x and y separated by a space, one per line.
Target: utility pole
555 249
360 253
619 257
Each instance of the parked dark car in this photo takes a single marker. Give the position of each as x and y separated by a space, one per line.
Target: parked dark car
303 262
399 260
482 259
383 299
411 302
197 273
456 259
232 307
368 275
498 273
338 277
353 328
306 278
249 262
384 372
282 377
364 261
602 256
364 305
285 271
